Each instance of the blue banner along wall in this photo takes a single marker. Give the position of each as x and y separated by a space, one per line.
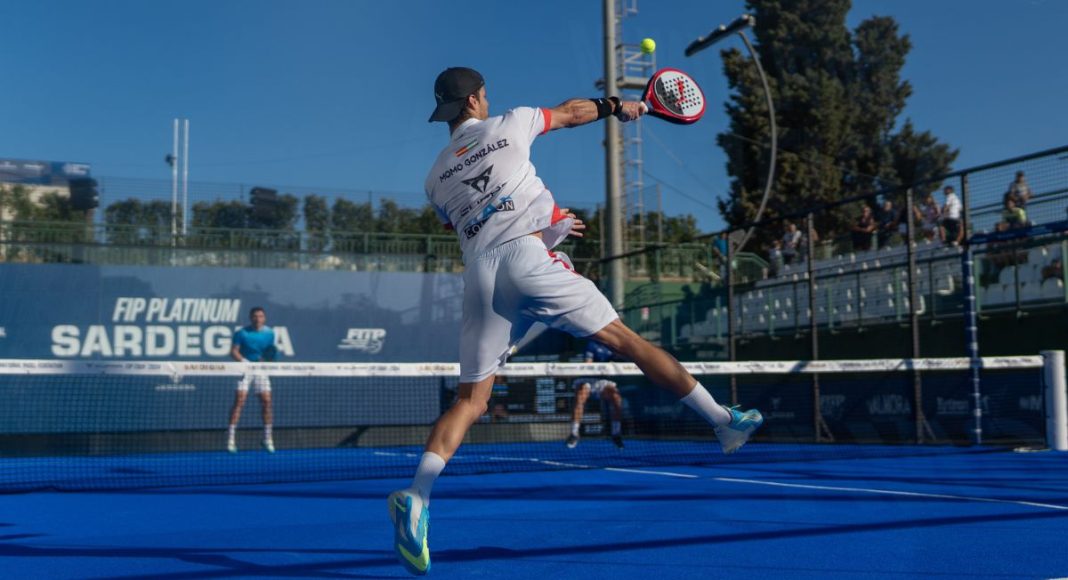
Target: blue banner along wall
153 313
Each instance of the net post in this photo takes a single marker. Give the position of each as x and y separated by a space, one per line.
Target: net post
1056 400
971 330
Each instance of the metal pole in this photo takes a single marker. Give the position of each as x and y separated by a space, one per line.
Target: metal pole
185 179
1056 404
774 137
914 317
965 198
659 216
813 328
174 184
971 334
614 220
731 314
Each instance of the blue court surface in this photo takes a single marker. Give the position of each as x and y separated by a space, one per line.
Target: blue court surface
771 511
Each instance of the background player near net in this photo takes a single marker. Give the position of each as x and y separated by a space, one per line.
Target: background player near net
253 343
484 186
605 390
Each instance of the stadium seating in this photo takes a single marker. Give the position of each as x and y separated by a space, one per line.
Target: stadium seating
867 288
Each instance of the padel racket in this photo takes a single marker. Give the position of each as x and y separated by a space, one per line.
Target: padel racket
674 96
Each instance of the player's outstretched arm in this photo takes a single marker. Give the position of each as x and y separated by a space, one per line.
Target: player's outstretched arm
578 112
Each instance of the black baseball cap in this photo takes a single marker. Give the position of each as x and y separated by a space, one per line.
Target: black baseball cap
451 88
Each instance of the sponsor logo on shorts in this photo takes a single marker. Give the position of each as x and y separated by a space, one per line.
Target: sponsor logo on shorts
369 340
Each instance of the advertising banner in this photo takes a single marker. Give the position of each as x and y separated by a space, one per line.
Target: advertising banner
157 313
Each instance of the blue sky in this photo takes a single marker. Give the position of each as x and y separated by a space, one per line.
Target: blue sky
336 93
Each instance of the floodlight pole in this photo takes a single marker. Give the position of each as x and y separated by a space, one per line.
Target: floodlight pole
613 207
723 31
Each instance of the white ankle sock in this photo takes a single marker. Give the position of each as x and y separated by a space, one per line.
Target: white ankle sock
575 429
430 467
701 400
267 431
233 432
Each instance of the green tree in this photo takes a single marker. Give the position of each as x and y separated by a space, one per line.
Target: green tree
130 221
348 222
427 221
317 222
123 220
156 221
278 213
838 97
221 214
394 219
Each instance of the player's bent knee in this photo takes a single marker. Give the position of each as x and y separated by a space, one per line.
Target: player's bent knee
473 407
619 338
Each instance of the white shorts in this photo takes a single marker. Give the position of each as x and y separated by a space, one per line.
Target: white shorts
508 288
597 386
262 382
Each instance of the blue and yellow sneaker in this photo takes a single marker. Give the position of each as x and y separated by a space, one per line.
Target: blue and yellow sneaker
733 436
411 523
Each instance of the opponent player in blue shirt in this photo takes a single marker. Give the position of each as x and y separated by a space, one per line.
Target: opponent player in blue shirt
605 390
253 343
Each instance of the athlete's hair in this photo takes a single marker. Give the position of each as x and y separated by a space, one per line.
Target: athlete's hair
256 309
464 114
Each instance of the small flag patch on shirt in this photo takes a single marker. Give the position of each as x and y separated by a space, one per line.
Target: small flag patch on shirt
466 148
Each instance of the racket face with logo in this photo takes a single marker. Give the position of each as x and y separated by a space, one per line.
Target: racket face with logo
674 96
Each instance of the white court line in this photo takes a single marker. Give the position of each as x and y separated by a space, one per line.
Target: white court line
554 464
893 492
667 473
562 464
392 454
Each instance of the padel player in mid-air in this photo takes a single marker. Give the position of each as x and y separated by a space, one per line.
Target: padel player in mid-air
484 186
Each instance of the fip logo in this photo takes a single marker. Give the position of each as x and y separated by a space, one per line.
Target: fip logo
369 340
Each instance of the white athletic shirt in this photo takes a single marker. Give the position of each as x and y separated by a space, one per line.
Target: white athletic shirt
484 186
953 208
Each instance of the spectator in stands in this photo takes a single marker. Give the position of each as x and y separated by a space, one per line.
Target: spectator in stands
1019 191
863 229
775 259
1014 216
1053 270
719 246
952 232
928 215
888 219
791 242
